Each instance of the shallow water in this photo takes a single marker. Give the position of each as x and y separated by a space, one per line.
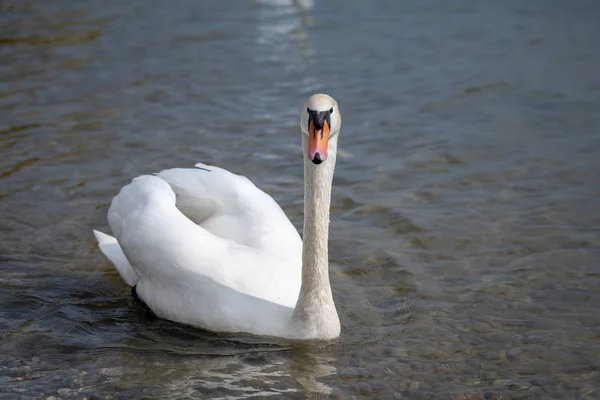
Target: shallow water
465 227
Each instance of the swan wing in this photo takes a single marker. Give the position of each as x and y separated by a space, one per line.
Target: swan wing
188 274
231 207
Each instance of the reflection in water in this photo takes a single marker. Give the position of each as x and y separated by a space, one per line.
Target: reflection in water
218 377
207 364
245 374
309 365
283 28
283 31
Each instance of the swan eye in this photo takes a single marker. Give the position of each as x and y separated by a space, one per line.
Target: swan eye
331 110
307 109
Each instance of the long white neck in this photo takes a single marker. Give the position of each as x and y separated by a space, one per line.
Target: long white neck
315 314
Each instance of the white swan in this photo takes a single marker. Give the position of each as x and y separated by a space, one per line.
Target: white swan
207 248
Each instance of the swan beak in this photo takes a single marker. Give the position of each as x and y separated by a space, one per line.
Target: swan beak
317 141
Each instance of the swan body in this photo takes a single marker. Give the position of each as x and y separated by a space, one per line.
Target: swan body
205 247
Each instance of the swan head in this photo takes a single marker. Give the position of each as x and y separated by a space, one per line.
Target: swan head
320 121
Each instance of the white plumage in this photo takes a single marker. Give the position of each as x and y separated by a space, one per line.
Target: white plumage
206 247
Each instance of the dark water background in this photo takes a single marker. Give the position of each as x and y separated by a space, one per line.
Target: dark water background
465 221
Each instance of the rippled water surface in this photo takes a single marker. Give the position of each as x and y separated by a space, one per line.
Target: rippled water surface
465 219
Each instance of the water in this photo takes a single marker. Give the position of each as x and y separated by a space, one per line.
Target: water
465 228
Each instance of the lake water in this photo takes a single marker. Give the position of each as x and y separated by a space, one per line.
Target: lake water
465 236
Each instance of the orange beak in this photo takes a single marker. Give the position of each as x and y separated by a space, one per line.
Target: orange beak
317 142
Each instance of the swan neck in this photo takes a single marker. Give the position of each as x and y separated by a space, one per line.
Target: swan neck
317 201
315 309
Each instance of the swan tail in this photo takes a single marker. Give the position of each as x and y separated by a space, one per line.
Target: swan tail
111 249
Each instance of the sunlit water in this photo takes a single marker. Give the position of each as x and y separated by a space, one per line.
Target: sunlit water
465 242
